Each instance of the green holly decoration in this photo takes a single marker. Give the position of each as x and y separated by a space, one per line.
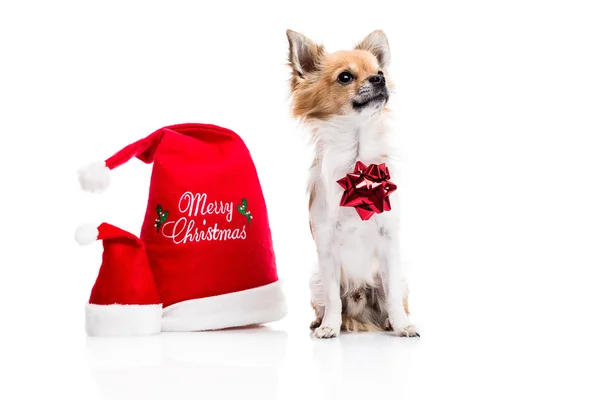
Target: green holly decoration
243 209
162 217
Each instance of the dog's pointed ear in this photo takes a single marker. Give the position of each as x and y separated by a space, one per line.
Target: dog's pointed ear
377 43
305 55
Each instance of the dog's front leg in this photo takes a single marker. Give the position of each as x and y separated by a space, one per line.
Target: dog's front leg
394 283
330 272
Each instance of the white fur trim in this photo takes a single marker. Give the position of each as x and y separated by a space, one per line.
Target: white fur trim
86 234
122 320
248 307
95 177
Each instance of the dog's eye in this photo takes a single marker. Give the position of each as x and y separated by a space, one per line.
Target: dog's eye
380 73
345 78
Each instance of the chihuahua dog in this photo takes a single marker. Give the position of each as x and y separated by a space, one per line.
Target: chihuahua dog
359 284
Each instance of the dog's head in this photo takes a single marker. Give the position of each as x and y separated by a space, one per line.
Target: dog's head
341 83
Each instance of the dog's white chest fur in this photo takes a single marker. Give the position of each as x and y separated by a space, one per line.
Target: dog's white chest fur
353 243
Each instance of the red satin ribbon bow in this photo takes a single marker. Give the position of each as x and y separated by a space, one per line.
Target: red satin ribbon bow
367 189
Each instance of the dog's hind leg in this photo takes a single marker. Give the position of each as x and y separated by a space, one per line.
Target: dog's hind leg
319 312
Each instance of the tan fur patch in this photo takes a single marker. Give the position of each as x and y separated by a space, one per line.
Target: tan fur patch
350 324
311 196
319 94
311 199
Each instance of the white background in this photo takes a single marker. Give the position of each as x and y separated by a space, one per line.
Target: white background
497 120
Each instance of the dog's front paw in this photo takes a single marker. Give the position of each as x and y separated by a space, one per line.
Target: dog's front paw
405 331
325 332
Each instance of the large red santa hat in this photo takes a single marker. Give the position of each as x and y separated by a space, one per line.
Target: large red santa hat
124 300
206 228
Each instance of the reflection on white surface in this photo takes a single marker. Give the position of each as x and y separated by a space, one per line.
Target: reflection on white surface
256 362
363 365
225 364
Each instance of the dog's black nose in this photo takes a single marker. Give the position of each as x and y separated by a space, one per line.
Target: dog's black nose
377 80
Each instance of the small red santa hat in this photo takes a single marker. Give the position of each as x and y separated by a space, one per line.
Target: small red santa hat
206 228
124 300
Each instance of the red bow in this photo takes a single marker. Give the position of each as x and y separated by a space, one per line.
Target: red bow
367 189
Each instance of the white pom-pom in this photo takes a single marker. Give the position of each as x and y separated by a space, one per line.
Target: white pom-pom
86 234
95 177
